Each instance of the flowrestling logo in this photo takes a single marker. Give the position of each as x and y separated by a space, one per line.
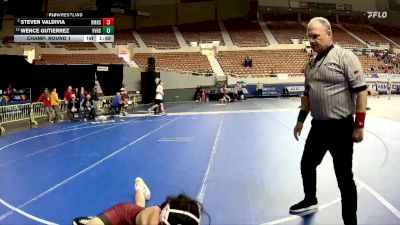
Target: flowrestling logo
376 14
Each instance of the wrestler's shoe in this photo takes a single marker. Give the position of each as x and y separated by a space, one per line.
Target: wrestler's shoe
303 206
141 185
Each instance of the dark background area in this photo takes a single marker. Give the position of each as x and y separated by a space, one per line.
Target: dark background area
21 74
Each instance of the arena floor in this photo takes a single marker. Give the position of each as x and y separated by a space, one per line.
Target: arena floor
240 159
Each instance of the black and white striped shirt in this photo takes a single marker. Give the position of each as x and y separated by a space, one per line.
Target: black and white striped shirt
331 83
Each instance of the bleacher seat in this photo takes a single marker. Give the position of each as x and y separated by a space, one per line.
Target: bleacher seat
245 33
177 61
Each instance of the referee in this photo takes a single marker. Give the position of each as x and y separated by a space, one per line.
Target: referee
335 90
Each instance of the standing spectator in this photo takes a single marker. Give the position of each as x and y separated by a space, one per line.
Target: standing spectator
389 89
10 90
55 101
95 97
260 88
82 95
67 95
67 98
197 94
333 95
45 98
377 89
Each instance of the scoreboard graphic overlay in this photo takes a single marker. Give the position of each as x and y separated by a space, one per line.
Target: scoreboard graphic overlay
64 27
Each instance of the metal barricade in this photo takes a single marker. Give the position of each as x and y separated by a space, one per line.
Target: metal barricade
14 113
38 110
103 105
135 98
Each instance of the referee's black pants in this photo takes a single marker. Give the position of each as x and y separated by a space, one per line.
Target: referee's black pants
335 136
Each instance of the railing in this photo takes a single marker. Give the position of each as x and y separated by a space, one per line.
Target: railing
263 75
183 72
31 111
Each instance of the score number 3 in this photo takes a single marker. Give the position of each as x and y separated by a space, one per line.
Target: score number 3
108 21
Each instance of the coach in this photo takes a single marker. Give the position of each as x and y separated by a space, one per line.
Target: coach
335 90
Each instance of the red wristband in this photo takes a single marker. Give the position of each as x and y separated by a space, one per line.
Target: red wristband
360 118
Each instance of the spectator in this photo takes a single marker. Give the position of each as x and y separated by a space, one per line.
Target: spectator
95 98
45 98
239 91
73 106
88 107
197 94
55 101
248 62
10 90
260 88
82 94
67 95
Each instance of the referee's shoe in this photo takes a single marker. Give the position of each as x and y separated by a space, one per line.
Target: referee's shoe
303 206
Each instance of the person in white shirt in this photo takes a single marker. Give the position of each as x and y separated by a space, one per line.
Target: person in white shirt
159 102
259 90
160 96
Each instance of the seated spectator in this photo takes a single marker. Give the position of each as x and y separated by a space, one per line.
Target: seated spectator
88 107
248 62
73 107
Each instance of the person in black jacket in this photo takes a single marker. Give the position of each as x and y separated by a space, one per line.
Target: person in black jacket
88 107
73 107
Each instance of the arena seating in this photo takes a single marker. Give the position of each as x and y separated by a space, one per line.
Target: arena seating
123 37
201 32
284 31
245 33
390 32
177 61
57 59
75 46
265 62
379 65
159 37
344 39
365 33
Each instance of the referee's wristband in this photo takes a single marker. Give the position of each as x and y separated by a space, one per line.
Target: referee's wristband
302 116
359 121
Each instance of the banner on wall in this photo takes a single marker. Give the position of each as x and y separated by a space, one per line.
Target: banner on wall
295 89
272 90
383 87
